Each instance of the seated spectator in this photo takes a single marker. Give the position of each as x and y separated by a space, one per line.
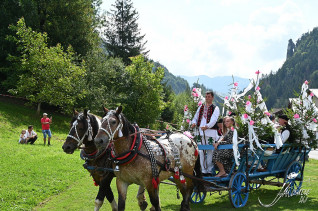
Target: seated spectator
285 130
224 158
23 137
31 135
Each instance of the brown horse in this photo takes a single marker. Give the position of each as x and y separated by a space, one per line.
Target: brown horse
84 127
145 162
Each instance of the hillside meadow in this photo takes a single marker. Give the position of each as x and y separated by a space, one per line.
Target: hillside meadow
37 177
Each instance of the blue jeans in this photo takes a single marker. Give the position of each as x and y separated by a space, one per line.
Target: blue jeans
48 132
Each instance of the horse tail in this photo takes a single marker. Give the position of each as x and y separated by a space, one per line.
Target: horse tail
198 173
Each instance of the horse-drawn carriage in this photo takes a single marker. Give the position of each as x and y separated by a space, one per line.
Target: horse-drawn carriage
286 165
136 159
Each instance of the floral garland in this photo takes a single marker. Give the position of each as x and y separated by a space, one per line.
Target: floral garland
252 117
303 116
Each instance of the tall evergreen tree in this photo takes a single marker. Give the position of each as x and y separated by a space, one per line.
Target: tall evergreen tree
122 35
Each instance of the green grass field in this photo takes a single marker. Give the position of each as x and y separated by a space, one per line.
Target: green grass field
37 177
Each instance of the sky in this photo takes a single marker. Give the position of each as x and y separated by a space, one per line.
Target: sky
222 37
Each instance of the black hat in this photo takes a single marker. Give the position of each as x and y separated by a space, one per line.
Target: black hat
283 117
220 120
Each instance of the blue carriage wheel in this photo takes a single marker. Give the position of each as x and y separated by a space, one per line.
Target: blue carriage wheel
238 190
197 197
293 178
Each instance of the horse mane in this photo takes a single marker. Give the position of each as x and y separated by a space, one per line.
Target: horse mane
94 124
127 126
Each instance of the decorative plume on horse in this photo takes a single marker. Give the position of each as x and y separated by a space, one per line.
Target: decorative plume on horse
147 162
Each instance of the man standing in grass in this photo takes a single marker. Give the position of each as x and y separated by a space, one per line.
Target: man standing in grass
45 121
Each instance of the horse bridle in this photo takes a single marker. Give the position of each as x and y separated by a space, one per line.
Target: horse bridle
88 132
111 134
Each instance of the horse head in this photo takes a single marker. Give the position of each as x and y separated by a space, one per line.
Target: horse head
83 127
114 125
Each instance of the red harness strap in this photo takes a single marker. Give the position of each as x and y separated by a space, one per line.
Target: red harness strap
128 153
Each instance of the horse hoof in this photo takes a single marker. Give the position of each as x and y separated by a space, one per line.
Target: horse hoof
143 205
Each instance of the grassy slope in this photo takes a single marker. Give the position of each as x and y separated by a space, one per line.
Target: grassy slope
45 178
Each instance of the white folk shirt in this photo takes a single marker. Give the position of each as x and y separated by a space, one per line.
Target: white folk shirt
30 134
208 132
285 135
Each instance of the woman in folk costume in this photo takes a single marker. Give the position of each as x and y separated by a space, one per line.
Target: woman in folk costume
206 118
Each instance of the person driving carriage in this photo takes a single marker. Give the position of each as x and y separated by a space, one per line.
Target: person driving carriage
206 118
223 158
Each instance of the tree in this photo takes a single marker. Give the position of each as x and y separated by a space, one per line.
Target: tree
144 100
122 35
105 80
68 22
47 74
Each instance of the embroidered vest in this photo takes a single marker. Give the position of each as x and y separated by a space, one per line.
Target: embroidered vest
209 115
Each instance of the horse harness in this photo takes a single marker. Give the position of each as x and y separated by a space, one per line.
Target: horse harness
88 133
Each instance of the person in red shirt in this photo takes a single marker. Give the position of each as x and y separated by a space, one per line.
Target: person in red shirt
45 121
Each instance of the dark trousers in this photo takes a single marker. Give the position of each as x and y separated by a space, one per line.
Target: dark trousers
32 140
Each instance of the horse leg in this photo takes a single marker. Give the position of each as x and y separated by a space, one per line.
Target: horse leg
105 190
186 191
122 193
142 198
154 198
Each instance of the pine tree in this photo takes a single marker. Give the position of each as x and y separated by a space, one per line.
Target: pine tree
122 35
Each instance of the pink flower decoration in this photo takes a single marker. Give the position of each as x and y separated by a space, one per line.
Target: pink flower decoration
252 122
232 99
196 95
230 112
226 98
185 108
167 127
257 72
245 116
311 94
296 116
199 103
188 120
187 133
306 82
232 128
248 103
315 120
249 97
194 90
258 88
267 113
235 84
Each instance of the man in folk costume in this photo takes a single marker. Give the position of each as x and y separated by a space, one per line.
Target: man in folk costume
206 118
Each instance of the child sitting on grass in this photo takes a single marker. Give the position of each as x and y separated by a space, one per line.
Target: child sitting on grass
23 137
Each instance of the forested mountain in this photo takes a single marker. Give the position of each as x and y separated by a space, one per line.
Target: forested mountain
177 83
301 65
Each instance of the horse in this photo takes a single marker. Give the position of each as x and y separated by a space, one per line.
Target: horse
84 127
147 162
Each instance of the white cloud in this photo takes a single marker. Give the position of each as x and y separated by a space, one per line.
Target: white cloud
237 38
